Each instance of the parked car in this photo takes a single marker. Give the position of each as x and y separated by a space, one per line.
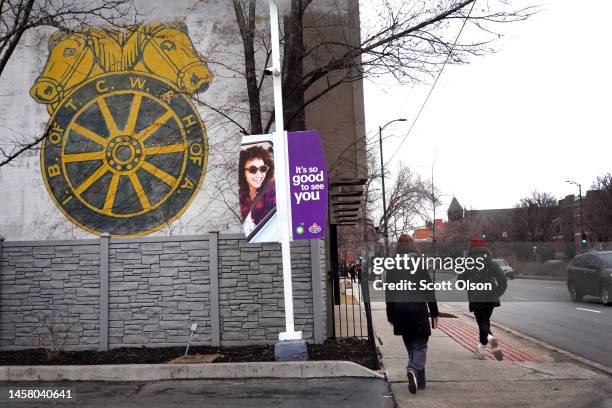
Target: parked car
505 267
590 274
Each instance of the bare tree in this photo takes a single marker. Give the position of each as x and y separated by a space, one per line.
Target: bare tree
364 235
409 39
409 197
20 16
533 217
598 209
463 230
323 49
409 201
408 204
245 16
355 239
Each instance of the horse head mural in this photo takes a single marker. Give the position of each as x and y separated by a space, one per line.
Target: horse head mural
126 150
169 53
71 61
161 49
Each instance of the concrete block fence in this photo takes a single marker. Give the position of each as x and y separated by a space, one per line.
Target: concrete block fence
114 292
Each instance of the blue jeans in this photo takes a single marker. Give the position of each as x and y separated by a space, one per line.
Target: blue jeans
417 354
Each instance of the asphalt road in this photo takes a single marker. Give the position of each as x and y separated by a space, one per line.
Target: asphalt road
294 393
542 309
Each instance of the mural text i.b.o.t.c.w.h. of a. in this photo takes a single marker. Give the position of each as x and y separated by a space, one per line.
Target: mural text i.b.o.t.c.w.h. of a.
125 150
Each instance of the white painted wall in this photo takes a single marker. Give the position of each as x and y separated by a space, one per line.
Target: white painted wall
28 212
26 209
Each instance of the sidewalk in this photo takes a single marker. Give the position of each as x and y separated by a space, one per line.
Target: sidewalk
456 378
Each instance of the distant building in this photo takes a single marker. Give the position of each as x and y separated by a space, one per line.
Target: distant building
566 230
455 211
426 233
496 224
569 226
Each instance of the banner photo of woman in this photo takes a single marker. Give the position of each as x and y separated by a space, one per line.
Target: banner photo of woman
257 189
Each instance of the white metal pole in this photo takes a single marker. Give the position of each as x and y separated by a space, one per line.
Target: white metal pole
282 176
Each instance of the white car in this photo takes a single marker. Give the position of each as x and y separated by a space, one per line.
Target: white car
505 267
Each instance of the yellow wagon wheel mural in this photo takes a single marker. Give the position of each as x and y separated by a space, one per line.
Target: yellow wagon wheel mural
126 150
125 154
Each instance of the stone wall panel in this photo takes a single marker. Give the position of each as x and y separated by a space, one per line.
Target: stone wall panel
156 289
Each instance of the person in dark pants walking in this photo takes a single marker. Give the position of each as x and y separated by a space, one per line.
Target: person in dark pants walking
407 311
482 302
483 319
353 272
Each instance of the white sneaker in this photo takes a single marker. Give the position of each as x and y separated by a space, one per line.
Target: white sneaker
480 351
412 381
495 348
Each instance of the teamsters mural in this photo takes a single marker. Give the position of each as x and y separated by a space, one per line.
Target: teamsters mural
126 150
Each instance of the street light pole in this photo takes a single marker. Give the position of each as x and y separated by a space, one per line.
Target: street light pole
283 205
433 202
384 196
580 204
433 227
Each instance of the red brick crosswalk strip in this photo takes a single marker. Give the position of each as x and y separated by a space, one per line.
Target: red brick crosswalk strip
467 335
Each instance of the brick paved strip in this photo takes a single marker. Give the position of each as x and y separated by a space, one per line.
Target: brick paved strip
467 335
510 351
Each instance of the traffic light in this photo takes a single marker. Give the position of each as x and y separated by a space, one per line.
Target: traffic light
484 236
584 239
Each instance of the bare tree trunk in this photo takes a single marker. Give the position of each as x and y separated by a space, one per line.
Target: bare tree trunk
21 20
247 32
293 85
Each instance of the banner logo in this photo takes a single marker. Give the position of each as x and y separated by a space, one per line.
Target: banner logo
314 229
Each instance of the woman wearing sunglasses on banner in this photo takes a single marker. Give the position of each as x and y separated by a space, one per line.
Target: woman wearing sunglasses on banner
256 181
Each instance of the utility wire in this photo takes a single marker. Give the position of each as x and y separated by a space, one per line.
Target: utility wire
450 52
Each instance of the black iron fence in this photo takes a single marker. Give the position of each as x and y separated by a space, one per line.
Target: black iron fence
352 314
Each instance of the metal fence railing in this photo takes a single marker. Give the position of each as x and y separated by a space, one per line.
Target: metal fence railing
352 317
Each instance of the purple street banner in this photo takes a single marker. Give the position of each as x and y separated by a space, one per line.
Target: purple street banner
307 185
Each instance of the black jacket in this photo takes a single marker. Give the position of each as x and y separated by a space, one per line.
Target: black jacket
407 310
485 299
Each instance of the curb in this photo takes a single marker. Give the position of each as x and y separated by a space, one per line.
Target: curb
155 372
550 347
543 277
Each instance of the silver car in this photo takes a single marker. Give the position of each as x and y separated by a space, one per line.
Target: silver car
505 267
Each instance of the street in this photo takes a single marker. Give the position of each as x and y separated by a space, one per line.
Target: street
336 392
542 309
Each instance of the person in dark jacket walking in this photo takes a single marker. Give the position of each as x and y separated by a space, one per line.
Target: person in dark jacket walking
482 302
353 272
407 311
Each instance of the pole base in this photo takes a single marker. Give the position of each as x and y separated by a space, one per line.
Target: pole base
292 335
291 350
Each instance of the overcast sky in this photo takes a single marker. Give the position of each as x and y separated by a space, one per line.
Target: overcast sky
532 115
